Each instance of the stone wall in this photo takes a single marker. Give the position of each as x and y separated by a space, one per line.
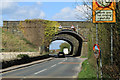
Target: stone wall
12 26
7 56
84 51
82 26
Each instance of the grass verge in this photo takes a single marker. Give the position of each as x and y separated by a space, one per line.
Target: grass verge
13 43
87 72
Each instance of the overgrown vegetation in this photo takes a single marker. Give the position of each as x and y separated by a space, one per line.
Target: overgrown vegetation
50 30
87 72
23 56
42 31
29 35
89 66
104 39
12 43
109 71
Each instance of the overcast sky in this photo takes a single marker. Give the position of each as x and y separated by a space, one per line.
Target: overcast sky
37 9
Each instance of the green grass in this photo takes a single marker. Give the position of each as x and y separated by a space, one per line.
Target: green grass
87 72
13 43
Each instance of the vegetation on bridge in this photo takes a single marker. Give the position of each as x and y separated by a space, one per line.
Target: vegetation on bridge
42 31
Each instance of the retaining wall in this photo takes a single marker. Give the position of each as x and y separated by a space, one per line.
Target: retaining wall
7 56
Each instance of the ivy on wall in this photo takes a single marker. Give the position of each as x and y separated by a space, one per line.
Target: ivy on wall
47 29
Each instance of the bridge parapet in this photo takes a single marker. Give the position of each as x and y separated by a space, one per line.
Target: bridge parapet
81 32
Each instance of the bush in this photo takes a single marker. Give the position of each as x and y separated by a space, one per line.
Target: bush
23 56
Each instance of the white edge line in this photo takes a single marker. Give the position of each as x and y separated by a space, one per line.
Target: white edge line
62 61
51 67
40 71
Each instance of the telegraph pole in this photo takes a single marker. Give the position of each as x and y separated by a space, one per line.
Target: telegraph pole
98 58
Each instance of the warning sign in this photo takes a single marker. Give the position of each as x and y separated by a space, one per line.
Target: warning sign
104 15
104 11
96 50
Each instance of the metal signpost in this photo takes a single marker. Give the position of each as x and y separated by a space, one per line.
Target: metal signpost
111 45
97 53
104 12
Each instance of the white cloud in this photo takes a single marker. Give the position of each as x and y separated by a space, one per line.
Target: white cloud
47 0
83 11
8 4
18 12
42 14
67 13
39 3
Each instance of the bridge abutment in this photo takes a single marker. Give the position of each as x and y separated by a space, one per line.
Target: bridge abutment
84 51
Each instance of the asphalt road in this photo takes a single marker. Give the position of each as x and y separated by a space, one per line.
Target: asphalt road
68 67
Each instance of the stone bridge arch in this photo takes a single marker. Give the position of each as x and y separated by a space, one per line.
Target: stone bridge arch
73 38
67 40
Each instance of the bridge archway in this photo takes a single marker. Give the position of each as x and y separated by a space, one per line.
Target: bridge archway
73 38
67 40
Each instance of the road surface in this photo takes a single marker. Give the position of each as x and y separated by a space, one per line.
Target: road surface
68 67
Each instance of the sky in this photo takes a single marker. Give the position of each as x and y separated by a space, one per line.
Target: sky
47 9
56 44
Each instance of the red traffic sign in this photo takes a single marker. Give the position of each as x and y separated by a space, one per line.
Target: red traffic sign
96 50
72 27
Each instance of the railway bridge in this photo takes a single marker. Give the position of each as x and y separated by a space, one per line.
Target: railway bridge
76 37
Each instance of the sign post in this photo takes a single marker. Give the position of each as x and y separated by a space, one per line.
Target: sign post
104 12
97 53
111 45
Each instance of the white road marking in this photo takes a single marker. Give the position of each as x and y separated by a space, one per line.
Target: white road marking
65 60
62 61
50 67
53 66
40 71
24 77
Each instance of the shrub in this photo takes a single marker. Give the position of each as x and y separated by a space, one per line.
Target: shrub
23 56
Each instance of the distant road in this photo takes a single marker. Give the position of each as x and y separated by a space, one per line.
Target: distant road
57 68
